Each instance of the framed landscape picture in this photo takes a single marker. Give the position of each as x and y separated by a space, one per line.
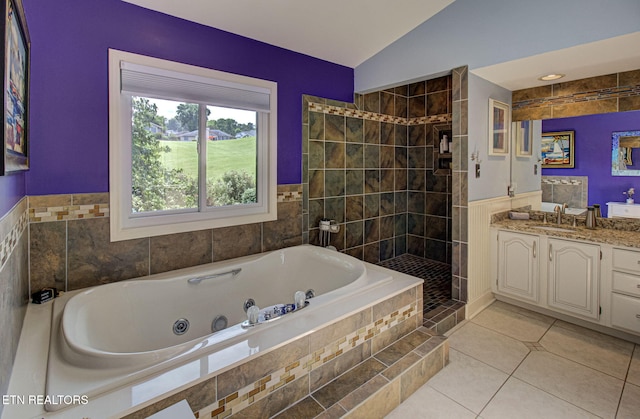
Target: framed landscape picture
499 125
558 150
16 88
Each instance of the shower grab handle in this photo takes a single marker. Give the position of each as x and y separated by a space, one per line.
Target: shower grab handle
199 279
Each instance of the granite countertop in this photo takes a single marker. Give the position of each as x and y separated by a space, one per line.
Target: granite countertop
617 232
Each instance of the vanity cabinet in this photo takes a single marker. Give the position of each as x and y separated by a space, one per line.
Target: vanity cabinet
622 209
518 267
591 282
625 287
573 277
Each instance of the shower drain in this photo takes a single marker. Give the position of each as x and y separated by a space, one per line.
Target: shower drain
181 326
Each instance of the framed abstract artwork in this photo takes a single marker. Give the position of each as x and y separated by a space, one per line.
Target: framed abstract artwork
15 156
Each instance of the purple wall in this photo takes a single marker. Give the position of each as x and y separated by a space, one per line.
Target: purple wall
12 189
69 98
593 153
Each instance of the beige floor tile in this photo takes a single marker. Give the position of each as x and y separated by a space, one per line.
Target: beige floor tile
429 403
488 346
515 322
634 368
630 403
584 387
468 381
587 347
517 399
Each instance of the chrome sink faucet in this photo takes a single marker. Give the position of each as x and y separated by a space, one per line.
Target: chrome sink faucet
559 210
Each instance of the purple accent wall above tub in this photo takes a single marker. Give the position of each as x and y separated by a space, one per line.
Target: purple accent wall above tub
69 98
12 190
593 153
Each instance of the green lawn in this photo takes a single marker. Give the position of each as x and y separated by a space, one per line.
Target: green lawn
222 156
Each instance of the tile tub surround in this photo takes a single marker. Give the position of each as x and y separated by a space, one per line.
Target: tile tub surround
278 377
369 166
70 247
14 283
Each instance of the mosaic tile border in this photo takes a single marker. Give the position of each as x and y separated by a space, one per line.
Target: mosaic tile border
10 241
261 388
561 181
68 212
378 117
592 95
43 214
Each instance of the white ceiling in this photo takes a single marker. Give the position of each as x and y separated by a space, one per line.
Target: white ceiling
348 32
345 32
613 55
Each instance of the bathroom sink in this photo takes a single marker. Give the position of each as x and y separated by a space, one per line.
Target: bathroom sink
566 230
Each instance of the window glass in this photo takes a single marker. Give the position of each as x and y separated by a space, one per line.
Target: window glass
164 155
190 148
231 157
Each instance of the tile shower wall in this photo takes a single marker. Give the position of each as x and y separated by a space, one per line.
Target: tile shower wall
609 93
369 166
70 247
460 228
14 283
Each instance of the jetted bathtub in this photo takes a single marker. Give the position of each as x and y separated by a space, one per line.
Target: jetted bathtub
106 336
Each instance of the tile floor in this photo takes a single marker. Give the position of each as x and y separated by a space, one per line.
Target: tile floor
509 362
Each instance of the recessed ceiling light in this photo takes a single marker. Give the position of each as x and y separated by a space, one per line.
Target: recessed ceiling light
549 77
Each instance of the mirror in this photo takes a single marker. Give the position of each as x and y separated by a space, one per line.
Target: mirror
625 153
526 169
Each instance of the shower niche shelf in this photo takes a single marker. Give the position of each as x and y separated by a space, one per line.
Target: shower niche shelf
442 162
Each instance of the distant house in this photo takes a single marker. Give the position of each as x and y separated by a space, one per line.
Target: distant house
245 134
188 136
212 135
216 135
155 128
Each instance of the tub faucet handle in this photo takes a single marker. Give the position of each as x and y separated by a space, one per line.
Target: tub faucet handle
299 298
253 313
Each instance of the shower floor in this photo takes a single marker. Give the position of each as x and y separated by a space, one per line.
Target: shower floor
438 304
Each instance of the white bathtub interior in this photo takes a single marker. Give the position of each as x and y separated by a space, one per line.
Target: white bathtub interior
120 388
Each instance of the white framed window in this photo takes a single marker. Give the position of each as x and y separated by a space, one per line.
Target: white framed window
190 148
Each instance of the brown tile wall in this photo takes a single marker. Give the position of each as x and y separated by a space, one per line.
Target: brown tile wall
618 92
460 231
369 166
14 286
70 247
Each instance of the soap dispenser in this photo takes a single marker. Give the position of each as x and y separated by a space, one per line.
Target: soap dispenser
444 144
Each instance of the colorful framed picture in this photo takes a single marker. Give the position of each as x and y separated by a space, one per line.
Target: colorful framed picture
16 88
499 125
558 150
522 132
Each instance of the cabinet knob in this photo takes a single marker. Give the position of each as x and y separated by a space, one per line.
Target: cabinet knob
637 316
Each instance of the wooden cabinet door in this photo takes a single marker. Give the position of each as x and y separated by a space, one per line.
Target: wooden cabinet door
518 265
574 277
